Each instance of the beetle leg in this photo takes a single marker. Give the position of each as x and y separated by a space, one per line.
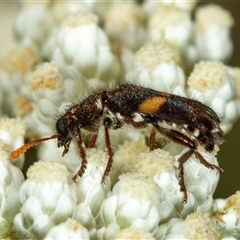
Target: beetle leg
107 124
152 139
83 156
93 140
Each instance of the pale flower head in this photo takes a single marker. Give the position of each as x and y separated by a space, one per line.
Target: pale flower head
227 214
133 233
124 22
11 179
195 226
126 157
162 168
70 229
204 17
149 5
71 50
49 86
134 202
214 84
46 199
33 24
20 60
89 188
156 66
14 70
47 93
171 24
12 132
212 20
79 37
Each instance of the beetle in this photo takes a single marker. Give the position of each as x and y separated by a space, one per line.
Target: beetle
185 121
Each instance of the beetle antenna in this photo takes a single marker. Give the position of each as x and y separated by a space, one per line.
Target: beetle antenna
18 152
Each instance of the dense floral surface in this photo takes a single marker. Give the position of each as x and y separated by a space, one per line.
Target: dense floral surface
68 50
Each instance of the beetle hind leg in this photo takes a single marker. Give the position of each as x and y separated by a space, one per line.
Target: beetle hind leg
207 164
181 181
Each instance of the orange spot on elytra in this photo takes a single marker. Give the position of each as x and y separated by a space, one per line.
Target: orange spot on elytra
152 105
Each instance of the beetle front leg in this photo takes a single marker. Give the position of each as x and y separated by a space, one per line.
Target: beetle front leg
83 156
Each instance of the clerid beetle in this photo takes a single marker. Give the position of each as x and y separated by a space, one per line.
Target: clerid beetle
185 121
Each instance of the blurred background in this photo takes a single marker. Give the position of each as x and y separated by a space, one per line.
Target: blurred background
229 155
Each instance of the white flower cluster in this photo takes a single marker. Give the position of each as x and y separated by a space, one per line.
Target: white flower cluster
68 49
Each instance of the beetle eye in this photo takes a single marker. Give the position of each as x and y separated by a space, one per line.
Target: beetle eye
60 127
